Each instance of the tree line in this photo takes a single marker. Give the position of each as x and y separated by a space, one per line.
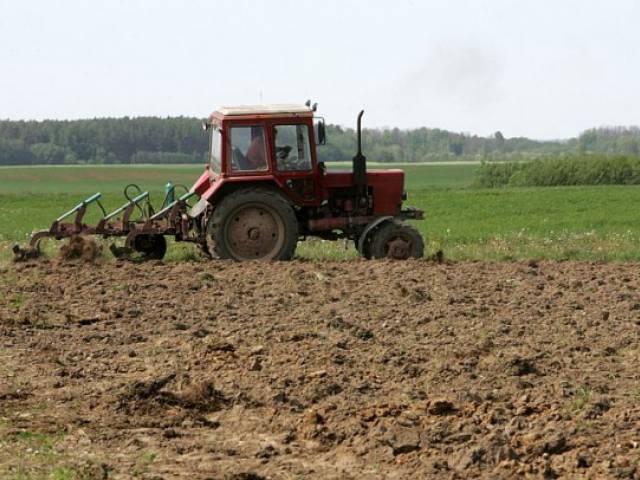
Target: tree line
102 141
181 140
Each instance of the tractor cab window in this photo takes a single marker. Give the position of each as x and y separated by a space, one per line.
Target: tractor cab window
247 150
293 152
216 152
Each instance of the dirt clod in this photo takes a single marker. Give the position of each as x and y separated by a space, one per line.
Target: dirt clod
441 407
521 366
256 364
81 248
245 476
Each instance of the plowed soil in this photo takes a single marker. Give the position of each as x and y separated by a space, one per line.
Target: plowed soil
322 370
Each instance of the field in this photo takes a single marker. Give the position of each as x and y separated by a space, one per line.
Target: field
328 367
319 370
587 223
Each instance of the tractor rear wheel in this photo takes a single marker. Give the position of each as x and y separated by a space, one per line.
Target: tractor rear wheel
396 240
151 246
253 224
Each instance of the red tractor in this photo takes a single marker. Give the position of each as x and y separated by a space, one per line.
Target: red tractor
264 190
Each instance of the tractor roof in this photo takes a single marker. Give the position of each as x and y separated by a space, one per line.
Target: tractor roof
276 109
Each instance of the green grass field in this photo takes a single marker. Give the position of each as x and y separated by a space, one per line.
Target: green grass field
593 223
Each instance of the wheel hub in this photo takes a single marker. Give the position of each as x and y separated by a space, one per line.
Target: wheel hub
399 249
254 232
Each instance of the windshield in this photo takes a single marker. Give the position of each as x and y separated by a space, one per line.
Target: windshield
216 152
292 147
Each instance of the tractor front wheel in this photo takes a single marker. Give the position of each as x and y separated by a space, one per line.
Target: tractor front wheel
396 240
253 224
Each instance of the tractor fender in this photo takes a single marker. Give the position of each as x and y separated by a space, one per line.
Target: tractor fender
370 227
226 185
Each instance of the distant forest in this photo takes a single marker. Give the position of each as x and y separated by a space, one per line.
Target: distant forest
181 140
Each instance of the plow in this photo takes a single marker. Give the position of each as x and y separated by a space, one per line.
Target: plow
261 192
144 234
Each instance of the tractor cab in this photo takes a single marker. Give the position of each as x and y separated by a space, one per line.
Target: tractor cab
273 143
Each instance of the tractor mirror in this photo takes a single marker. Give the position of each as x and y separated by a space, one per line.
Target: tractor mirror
321 136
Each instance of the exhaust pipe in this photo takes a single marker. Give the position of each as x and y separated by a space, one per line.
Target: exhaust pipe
360 163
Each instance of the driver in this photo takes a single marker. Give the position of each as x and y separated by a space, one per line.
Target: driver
255 153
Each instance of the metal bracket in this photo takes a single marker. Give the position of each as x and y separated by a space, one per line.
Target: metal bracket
198 208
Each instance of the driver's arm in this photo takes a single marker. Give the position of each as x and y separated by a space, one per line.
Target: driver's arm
283 152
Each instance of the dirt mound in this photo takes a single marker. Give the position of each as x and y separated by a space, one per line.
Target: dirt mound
80 248
362 369
151 396
25 254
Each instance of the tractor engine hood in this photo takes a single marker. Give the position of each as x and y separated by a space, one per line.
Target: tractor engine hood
387 187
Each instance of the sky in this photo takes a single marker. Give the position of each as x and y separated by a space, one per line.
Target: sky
544 69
